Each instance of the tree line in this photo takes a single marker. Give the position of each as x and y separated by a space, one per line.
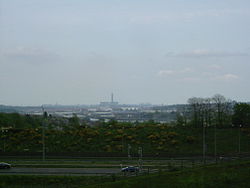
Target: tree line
217 111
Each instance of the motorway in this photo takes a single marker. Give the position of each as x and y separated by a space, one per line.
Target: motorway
61 171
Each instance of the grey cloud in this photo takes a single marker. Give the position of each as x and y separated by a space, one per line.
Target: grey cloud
174 72
226 77
28 55
189 79
200 53
169 16
215 67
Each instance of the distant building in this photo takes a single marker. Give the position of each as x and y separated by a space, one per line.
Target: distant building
109 104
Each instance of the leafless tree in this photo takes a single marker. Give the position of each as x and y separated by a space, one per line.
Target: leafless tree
222 109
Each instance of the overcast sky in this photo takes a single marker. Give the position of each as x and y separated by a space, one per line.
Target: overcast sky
157 51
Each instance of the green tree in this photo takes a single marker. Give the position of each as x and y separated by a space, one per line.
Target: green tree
74 121
241 114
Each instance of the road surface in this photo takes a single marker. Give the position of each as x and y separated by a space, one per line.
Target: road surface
61 171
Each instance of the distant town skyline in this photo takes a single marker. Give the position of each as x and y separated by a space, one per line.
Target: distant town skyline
158 52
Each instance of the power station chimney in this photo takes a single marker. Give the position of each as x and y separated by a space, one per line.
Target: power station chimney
112 97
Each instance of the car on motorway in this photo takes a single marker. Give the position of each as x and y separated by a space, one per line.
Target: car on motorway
4 165
130 169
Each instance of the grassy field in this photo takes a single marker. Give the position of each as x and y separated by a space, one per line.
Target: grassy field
43 181
155 141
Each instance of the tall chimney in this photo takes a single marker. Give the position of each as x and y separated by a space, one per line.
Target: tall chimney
112 97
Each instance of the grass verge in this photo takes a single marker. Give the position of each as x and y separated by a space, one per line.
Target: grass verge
225 175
